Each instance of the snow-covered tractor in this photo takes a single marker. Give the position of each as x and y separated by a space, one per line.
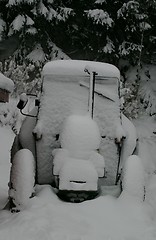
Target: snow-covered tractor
75 138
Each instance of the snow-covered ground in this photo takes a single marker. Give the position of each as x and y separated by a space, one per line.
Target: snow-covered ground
104 218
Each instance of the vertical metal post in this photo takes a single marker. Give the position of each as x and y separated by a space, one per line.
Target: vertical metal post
91 94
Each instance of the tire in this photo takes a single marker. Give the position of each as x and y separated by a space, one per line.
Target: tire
133 182
22 180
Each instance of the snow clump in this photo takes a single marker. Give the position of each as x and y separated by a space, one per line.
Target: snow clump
80 133
78 174
22 178
134 177
6 83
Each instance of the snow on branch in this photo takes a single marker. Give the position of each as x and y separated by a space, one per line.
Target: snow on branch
148 98
18 22
31 30
37 54
42 9
131 6
100 17
100 1
29 21
12 2
65 13
16 2
127 47
50 1
52 14
144 26
2 26
109 47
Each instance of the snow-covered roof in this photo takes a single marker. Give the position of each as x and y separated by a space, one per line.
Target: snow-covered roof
77 67
6 83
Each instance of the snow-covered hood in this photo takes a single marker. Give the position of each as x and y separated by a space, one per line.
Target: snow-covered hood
77 67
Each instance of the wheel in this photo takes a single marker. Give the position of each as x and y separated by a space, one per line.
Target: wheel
133 182
22 179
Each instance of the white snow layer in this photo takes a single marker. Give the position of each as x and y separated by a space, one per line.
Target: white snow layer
64 96
134 177
22 178
104 218
37 54
76 171
6 83
62 156
130 142
80 139
80 133
24 97
76 67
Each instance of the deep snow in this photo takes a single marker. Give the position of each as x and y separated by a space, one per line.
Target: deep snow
61 87
104 218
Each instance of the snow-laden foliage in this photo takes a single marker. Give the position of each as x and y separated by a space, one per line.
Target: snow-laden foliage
127 47
31 31
37 54
138 91
64 14
148 98
8 113
16 2
56 52
18 22
144 26
26 78
130 100
100 16
100 1
42 9
12 2
85 27
2 27
51 14
109 47
132 6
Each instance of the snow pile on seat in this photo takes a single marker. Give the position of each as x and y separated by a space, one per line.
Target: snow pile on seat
6 83
80 133
80 139
22 178
62 156
78 175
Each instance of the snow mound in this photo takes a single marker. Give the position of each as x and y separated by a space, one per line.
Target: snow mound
62 156
22 178
130 142
6 83
134 177
80 133
78 174
76 67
